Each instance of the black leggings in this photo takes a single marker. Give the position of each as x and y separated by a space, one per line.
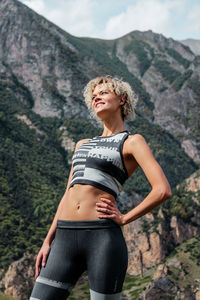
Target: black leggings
97 246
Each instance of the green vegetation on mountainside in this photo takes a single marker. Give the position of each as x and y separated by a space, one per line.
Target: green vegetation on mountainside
165 69
184 264
178 57
178 83
4 297
184 205
132 288
194 84
142 51
33 176
176 164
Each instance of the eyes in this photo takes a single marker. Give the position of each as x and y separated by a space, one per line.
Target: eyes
101 93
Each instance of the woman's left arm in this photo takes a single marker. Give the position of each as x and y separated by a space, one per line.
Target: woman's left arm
137 146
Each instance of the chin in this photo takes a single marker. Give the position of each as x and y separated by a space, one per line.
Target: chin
101 117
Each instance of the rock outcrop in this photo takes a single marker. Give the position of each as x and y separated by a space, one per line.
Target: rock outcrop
193 44
145 249
18 280
193 182
164 287
161 288
148 247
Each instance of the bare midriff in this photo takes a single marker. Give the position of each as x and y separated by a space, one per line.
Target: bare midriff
80 203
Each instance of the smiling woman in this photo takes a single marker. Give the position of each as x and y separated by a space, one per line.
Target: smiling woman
86 231
114 86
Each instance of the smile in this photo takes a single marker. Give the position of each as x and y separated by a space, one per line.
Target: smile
99 104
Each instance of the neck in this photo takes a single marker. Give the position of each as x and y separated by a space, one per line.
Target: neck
113 126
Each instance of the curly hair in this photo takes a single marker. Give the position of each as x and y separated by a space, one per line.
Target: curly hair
119 87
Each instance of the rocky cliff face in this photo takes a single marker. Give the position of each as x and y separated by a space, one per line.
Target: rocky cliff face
166 68
148 238
193 182
193 44
152 237
18 280
148 248
42 58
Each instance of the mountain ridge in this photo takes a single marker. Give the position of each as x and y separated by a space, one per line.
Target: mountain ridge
158 69
193 44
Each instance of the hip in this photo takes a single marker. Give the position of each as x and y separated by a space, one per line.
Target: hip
102 234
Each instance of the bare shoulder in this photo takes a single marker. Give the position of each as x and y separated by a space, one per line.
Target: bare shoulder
135 139
81 142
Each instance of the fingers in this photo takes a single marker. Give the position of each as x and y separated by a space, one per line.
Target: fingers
108 209
104 210
37 265
43 258
107 216
106 206
107 201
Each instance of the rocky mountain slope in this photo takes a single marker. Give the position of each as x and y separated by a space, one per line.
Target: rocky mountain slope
54 66
193 44
42 115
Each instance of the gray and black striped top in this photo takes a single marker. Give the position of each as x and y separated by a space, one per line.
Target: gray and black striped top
99 162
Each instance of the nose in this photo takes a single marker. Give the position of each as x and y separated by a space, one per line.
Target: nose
96 98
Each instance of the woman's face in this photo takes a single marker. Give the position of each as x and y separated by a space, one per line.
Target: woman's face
104 102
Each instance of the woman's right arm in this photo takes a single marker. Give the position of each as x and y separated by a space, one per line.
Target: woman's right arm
46 246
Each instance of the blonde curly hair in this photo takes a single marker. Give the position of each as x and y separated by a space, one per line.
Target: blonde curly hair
119 87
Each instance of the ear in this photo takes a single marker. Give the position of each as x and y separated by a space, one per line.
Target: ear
123 100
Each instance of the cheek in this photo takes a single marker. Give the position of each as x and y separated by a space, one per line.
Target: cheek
114 102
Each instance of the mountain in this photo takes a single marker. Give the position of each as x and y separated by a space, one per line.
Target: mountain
43 71
193 44
54 66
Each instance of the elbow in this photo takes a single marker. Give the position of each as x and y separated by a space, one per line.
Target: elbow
164 193
167 193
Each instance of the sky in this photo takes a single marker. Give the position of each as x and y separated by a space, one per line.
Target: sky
110 19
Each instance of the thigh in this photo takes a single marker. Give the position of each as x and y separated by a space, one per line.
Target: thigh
62 270
107 262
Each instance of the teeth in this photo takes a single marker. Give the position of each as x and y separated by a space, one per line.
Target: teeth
99 104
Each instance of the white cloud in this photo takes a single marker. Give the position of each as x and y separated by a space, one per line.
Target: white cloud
36 5
108 19
144 15
194 19
76 17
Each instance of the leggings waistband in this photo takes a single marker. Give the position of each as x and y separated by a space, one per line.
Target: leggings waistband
78 224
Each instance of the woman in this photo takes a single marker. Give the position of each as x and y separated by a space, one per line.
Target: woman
87 226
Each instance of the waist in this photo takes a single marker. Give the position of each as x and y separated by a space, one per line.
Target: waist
87 193
80 203
78 224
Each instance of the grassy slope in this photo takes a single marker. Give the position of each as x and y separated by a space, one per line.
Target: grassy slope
4 297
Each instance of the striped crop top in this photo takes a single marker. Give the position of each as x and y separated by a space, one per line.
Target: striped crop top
99 162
